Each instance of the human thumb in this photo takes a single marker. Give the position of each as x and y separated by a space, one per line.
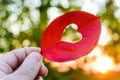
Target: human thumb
30 67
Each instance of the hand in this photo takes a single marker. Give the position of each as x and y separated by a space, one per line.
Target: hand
22 64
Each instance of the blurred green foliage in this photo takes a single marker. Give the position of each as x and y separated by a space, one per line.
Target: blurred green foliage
22 23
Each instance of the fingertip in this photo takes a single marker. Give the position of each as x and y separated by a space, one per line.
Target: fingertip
40 78
43 71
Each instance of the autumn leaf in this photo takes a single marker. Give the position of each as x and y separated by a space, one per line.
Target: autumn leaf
60 51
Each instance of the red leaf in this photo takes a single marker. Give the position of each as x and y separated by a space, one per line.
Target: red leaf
56 50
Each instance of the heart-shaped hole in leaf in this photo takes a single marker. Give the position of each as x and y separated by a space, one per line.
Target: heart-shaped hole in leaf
70 34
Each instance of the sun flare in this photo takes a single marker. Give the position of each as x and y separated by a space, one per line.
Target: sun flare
103 64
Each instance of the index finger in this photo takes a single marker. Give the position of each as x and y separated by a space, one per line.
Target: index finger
12 59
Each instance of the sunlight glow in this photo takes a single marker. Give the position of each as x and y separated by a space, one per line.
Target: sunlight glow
98 62
117 3
105 36
53 12
95 62
91 7
32 4
15 28
65 3
103 64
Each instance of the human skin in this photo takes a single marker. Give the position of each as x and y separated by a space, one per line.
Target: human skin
22 64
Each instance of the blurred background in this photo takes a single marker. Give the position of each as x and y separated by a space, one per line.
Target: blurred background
22 23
